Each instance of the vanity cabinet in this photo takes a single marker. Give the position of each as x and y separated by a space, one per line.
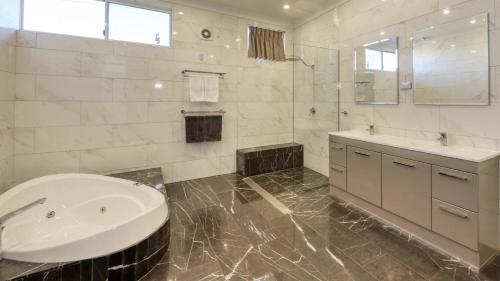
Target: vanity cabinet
406 189
451 202
364 177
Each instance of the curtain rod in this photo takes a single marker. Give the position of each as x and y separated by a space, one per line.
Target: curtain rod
277 30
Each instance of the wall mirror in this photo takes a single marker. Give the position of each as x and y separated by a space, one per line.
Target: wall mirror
450 63
376 72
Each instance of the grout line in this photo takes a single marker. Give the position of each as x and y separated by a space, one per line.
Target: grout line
266 195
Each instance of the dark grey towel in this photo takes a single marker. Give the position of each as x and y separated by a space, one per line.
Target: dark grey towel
203 128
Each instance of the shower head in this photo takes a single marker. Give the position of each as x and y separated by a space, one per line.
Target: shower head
294 59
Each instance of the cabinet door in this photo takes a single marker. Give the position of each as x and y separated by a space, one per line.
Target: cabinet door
406 189
364 175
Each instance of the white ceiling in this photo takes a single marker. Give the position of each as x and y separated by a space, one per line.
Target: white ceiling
299 11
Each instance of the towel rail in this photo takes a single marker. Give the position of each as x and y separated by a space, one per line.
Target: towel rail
185 73
185 112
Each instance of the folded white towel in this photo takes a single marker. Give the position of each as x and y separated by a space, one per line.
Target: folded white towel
203 88
196 92
211 88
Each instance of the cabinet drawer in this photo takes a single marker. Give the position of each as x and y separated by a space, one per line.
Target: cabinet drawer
364 174
455 187
337 154
338 177
458 224
406 189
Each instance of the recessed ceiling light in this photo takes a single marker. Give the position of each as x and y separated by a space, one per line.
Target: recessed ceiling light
382 32
431 27
446 11
181 13
286 6
453 45
472 21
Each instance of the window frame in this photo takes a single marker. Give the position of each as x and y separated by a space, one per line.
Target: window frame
106 21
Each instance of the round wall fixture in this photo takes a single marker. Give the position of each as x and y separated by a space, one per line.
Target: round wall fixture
206 34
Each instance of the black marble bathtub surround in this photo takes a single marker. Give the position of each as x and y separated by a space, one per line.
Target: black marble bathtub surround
265 159
129 264
222 229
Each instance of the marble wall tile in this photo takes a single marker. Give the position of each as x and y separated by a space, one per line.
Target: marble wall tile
60 88
95 113
28 166
54 139
38 114
25 87
111 66
52 62
7 108
73 43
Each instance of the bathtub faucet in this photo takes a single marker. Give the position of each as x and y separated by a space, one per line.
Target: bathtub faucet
8 216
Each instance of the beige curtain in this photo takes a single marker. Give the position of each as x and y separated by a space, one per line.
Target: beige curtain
266 44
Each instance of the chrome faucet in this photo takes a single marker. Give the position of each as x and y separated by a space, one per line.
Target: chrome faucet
371 129
8 216
443 139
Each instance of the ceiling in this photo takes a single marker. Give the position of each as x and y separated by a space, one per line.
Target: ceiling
299 11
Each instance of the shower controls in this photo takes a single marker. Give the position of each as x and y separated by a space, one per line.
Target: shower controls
50 214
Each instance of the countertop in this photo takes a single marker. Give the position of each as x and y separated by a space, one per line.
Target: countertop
453 151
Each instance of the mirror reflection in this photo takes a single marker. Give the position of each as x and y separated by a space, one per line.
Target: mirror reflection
450 63
376 72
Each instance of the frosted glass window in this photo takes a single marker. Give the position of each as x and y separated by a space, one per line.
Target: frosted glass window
9 13
373 60
73 17
389 61
139 25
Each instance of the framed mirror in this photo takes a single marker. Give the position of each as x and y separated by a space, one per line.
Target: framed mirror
376 72
450 63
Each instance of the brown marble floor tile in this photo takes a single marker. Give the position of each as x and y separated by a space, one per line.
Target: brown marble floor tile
388 268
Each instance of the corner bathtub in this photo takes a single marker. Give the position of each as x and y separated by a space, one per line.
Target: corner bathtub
84 216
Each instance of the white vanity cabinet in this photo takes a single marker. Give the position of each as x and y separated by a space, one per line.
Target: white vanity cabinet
447 196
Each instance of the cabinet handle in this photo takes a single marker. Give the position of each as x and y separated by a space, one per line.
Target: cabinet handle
362 154
453 176
454 212
403 164
337 170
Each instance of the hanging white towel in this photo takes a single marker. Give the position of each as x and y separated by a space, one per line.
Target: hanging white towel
211 88
196 89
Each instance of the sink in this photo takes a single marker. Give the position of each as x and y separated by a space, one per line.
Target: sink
433 147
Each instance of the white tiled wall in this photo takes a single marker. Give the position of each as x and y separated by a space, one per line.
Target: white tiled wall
360 21
86 105
7 90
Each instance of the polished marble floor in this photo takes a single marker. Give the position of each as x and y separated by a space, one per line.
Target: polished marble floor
224 229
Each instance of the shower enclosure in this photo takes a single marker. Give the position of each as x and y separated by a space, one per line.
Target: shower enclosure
316 102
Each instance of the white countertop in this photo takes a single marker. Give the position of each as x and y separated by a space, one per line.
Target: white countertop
452 151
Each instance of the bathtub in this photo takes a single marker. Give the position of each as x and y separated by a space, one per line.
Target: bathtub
84 216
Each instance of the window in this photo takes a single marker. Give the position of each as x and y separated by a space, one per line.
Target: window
73 17
154 27
380 60
88 18
373 59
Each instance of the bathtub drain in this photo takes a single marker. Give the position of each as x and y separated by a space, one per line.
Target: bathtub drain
103 209
50 214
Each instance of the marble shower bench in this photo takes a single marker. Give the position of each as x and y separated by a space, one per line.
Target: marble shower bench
264 159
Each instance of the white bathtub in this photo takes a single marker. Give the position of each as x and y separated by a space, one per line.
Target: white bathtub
81 228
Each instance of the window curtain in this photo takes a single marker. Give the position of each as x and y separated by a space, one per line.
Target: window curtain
266 44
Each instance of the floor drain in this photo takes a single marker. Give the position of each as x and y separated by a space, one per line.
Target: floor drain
103 209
